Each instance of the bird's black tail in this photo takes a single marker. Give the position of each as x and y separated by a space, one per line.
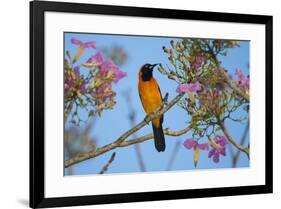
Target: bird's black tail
159 139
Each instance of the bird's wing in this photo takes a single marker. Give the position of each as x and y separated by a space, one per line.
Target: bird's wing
160 92
141 99
162 116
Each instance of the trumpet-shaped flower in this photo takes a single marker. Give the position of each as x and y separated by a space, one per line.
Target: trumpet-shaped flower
218 149
81 47
243 81
114 70
89 44
193 144
96 59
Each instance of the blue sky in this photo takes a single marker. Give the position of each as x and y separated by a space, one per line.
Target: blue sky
115 122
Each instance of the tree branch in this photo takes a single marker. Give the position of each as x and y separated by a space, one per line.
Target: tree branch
94 153
232 141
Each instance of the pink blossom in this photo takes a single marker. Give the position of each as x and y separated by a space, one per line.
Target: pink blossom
89 44
76 71
96 59
68 83
109 66
243 82
73 82
215 152
104 92
191 143
188 88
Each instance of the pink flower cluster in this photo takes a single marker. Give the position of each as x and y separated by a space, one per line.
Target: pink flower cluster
74 81
107 66
243 81
214 153
107 72
189 87
103 92
218 150
96 81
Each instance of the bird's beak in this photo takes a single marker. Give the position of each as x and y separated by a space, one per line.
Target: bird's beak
155 65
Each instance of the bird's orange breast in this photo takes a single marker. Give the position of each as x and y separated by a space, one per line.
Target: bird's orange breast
150 96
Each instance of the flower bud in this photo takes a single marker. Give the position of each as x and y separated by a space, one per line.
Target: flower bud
109 75
68 54
171 77
165 49
172 44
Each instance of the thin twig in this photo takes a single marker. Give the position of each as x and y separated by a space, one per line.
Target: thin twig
132 119
69 108
96 152
173 156
243 139
232 141
106 166
140 158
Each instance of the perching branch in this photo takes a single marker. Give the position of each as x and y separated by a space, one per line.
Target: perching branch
150 136
232 141
96 152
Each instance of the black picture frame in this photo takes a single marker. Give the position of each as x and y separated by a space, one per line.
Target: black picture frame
37 195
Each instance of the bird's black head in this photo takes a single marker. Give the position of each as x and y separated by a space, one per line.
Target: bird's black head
146 71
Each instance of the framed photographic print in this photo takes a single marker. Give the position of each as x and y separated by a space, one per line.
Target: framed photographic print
135 104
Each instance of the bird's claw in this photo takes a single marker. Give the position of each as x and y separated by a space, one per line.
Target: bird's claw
147 119
165 99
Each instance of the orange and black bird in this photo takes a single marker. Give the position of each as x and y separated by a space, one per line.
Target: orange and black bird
151 98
